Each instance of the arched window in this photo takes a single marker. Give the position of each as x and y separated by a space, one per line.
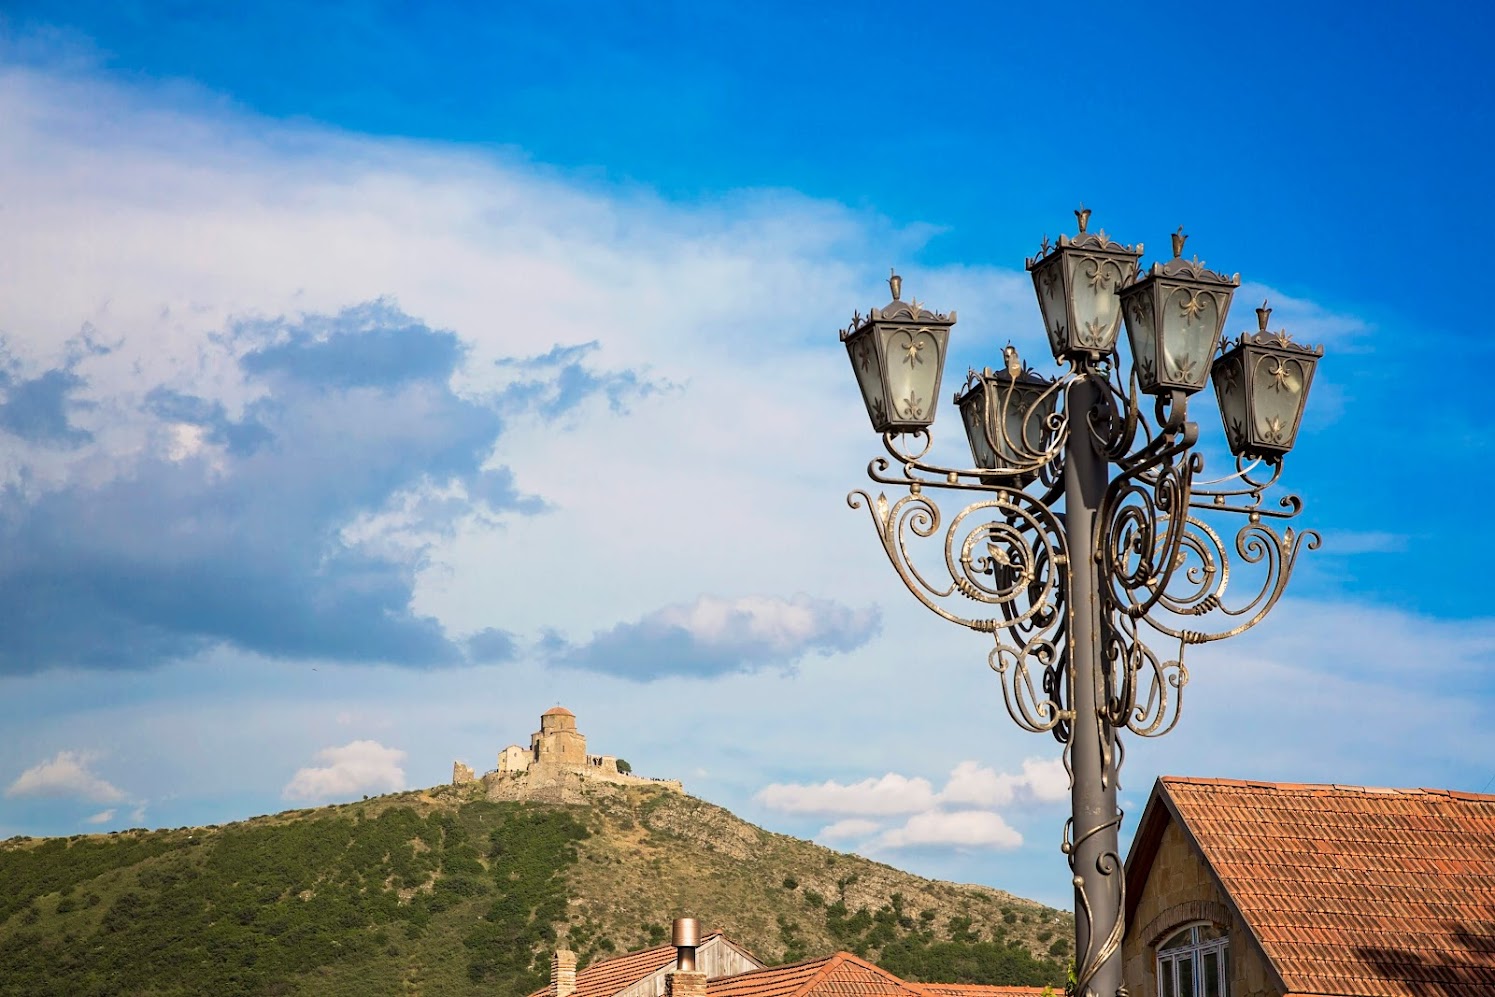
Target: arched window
1194 962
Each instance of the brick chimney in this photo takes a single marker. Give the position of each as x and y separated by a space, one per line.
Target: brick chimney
684 980
563 974
684 983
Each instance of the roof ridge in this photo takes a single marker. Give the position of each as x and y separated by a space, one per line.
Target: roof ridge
1323 787
834 960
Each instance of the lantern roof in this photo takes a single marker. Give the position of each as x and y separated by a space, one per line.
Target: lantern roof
896 310
1085 240
1194 269
1026 376
1262 337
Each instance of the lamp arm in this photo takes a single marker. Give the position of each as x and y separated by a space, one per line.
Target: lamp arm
919 473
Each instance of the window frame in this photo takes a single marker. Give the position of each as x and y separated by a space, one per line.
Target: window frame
1168 959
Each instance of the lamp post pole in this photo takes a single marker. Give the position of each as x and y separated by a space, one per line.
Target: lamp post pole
1094 817
1074 569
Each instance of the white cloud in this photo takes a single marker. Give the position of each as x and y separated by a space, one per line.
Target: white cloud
851 827
1043 780
932 823
958 829
66 774
102 817
891 794
353 768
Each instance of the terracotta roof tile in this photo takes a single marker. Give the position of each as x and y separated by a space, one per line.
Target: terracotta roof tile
839 975
1354 890
981 990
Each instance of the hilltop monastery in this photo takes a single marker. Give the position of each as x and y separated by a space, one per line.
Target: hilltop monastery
555 768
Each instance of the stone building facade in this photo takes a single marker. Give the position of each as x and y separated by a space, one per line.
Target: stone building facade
1178 891
554 768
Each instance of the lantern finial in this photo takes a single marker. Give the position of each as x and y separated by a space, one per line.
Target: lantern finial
1263 316
1014 362
1179 238
895 283
1083 214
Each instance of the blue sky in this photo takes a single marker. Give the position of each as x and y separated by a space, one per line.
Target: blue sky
376 376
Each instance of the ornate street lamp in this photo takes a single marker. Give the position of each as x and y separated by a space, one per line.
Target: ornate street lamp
898 353
1090 535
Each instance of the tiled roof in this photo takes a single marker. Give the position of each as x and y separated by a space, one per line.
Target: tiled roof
606 978
558 711
839 975
1353 891
982 990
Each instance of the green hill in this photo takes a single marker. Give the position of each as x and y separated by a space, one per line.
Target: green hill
439 892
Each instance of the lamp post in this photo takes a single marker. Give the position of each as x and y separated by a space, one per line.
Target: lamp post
1089 533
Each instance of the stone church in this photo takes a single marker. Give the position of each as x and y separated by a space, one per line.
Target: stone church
554 768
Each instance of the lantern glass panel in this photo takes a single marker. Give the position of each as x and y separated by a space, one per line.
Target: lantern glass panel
1093 281
1141 331
973 415
1277 386
869 376
1192 320
1048 282
913 360
1230 389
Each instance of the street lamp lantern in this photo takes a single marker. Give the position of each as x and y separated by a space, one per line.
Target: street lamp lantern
1088 552
1262 382
898 354
1007 415
1174 318
1076 280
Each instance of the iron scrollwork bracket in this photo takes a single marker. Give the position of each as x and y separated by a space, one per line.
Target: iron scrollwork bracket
1004 552
1165 567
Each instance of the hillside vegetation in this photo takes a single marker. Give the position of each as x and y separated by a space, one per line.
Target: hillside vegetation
438 893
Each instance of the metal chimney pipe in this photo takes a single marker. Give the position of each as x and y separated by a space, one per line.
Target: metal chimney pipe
685 936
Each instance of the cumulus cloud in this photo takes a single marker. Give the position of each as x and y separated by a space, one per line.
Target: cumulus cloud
102 817
1042 780
957 829
961 815
714 636
851 827
891 794
68 773
970 783
354 768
